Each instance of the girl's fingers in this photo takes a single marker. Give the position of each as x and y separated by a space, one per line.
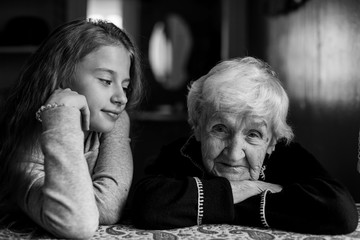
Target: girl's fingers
71 98
85 116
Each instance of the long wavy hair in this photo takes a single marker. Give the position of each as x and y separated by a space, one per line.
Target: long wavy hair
50 67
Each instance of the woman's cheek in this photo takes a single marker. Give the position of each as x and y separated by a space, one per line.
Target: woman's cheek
211 149
257 161
214 147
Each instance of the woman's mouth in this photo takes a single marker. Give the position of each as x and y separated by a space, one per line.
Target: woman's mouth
231 172
224 167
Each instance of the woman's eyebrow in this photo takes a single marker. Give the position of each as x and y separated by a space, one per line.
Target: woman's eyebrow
258 124
217 116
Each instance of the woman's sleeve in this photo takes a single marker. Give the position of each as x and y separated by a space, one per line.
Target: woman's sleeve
311 201
62 200
113 172
173 195
162 202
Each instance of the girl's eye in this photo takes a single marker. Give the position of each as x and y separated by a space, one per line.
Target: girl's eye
105 81
125 89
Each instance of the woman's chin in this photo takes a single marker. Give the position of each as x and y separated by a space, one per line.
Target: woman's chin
238 176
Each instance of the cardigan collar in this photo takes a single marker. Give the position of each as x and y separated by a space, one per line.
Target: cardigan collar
192 151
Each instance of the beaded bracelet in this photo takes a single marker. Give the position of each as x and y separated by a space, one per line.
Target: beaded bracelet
44 108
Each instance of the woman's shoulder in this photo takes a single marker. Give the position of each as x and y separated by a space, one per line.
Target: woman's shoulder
293 147
290 155
178 144
176 156
294 159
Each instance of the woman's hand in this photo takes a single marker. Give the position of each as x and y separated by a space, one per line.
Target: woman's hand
242 190
70 98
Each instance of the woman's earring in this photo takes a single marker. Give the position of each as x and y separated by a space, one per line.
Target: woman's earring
272 150
262 172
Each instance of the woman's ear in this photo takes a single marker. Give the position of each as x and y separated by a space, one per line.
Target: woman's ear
197 133
271 146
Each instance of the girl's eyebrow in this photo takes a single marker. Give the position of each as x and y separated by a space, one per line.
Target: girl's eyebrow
110 72
104 70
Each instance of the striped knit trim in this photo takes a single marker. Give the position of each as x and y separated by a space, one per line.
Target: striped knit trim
262 208
200 212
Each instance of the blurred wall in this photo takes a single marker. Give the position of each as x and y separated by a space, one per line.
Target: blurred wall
316 50
314 47
313 44
163 118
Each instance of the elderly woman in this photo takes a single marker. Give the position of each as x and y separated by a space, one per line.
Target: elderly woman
240 166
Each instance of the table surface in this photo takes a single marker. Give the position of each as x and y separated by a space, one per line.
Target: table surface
213 231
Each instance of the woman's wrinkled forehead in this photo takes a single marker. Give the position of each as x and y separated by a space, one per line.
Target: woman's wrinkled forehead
236 118
225 114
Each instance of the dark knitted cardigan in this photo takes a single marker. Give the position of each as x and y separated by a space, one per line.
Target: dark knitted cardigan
177 192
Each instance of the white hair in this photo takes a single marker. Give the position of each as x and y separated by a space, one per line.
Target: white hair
246 86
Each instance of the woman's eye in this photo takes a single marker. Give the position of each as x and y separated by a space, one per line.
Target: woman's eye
254 134
219 128
105 81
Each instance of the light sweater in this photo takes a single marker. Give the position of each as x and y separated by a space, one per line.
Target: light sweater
71 185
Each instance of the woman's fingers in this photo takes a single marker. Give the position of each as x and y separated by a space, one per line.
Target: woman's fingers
255 172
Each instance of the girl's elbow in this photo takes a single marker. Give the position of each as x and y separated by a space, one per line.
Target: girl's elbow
75 226
111 212
85 230
110 217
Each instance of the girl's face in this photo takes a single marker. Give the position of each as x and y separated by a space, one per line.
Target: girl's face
103 78
234 147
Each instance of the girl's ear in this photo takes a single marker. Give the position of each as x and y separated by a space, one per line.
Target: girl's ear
271 146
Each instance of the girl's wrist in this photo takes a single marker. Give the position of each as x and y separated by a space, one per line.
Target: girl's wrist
44 108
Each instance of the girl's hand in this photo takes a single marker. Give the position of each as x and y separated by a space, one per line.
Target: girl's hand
242 190
70 98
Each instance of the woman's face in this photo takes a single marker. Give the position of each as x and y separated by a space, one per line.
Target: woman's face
103 78
234 147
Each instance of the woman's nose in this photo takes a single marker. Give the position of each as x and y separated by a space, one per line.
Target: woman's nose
235 150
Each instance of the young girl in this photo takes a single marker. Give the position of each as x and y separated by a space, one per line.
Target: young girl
65 158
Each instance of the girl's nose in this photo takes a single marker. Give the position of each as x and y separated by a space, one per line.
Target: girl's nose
119 97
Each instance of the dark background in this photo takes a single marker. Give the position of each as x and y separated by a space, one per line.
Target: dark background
313 45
